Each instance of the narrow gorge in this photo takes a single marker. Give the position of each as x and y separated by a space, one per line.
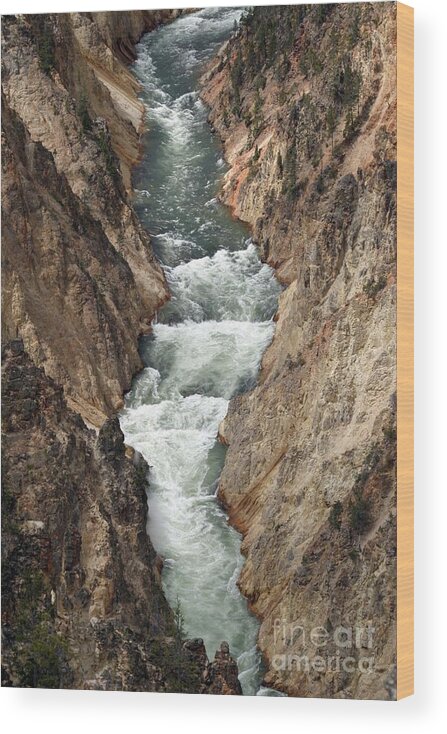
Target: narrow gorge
206 344
198 324
82 600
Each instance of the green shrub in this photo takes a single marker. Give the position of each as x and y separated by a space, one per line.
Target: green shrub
83 114
45 50
335 515
331 123
41 654
390 433
319 184
360 513
279 165
289 170
42 659
257 116
179 622
354 33
374 286
106 150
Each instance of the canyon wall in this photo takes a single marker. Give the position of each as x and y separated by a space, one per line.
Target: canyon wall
80 281
304 100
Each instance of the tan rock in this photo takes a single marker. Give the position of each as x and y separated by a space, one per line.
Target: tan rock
313 444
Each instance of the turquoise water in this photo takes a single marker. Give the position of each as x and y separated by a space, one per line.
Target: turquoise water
207 343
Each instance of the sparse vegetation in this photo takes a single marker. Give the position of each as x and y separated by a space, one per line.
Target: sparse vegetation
267 47
319 183
360 513
41 653
360 507
335 515
390 433
354 33
45 47
289 171
257 117
279 164
346 85
83 114
9 524
106 150
331 123
179 622
374 286
180 670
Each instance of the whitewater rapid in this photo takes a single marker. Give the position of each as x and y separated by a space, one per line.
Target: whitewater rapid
206 345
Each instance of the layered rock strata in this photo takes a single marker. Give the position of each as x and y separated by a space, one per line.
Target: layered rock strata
80 281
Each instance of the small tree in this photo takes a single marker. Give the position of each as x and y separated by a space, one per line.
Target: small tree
179 622
331 123
83 113
352 81
335 515
45 49
237 104
355 28
106 150
257 114
279 164
289 181
42 655
237 71
360 513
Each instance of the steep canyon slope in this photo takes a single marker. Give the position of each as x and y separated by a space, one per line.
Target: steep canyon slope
304 99
80 282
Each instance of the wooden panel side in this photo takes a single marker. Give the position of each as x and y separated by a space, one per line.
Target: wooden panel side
405 352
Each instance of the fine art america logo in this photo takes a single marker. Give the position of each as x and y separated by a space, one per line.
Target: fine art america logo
320 650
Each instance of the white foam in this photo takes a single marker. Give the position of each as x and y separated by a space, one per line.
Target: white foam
229 285
216 358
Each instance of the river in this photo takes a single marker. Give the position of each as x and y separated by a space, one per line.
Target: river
206 344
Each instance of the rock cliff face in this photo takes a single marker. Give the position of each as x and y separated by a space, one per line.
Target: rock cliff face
82 604
304 100
80 282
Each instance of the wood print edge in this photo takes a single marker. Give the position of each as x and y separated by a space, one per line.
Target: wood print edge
405 352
